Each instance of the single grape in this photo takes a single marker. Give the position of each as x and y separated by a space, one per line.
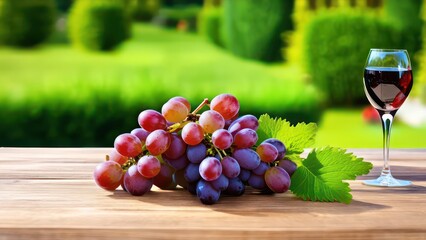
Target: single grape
289 166
176 149
245 138
267 152
117 157
221 183
182 100
196 153
108 175
192 133
164 179
158 142
230 167
261 169
149 166
211 121
151 120
222 139
279 145
235 187
128 145
277 179
257 181
192 172
246 121
178 163
210 169
244 175
247 158
135 183
141 133
226 104
206 193
174 111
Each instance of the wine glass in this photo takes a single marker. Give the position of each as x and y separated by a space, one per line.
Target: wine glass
387 82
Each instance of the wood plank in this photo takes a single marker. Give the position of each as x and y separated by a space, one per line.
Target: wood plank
50 194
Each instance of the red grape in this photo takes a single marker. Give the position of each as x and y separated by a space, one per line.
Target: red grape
158 142
141 133
210 169
149 166
174 111
222 139
182 100
117 157
226 104
128 145
211 121
192 133
267 152
246 138
108 175
151 120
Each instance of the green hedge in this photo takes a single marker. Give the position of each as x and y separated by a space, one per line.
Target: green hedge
25 23
99 25
144 10
336 46
210 23
253 28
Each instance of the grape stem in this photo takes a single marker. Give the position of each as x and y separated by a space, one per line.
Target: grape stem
192 117
202 104
218 152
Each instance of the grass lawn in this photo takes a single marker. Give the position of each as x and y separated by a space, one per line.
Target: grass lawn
346 128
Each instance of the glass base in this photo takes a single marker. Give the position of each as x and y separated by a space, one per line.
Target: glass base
387 181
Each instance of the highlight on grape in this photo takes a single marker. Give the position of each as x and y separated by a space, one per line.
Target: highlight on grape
210 151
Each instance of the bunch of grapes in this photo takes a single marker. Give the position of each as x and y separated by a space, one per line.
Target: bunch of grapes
208 154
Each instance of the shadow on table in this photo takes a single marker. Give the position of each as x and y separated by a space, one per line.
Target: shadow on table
252 203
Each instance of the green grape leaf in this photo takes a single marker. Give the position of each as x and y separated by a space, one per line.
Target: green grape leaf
295 138
320 176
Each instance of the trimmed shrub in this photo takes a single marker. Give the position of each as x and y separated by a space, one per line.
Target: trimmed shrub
336 47
209 24
99 25
26 23
252 28
144 10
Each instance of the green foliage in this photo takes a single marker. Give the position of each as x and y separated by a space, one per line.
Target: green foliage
252 28
336 47
296 138
144 10
321 175
210 23
419 88
88 99
98 24
171 17
26 23
405 15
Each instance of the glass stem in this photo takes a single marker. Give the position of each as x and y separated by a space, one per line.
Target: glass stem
387 119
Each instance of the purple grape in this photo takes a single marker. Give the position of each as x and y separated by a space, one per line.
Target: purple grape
279 145
164 180
246 121
207 193
244 175
247 158
176 149
179 163
192 172
220 183
277 179
230 167
196 153
261 169
135 183
257 181
289 166
141 133
245 138
267 152
235 187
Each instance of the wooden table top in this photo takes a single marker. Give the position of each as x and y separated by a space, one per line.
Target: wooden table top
49 193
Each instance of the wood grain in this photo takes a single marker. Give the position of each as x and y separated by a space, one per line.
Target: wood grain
48 193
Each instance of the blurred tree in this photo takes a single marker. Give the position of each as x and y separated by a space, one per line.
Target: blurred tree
64 5
420 78
26 23
210 21
99 24
252 28
144 10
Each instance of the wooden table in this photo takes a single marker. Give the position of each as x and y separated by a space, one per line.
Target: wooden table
48 193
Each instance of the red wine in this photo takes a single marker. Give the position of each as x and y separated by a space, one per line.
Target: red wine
387 88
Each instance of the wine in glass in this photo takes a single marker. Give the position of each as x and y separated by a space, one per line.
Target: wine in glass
387 82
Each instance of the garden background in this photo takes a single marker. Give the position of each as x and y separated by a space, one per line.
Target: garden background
78 72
